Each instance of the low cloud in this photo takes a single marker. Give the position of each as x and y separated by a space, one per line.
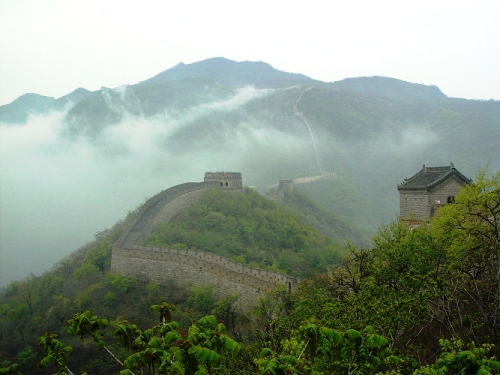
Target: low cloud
57 192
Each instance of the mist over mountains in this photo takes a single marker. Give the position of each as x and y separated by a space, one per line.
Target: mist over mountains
73 166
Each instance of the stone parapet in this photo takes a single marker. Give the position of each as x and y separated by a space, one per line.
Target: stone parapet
192 267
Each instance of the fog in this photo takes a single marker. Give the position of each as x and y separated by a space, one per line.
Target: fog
56 192
58 188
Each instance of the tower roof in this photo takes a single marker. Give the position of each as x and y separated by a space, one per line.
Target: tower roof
429 177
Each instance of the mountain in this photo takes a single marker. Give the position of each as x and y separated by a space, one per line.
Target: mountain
228 73
390 88
345 144
27 104
32 104
246 227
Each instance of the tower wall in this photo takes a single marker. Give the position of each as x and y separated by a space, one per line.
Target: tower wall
226 180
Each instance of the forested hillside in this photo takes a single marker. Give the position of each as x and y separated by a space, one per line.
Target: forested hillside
423 300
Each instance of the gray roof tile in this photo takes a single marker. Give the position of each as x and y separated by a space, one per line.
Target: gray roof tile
428 177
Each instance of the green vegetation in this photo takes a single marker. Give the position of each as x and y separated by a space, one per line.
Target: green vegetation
423 301
330 225
419 285
346 200
77 284
251 230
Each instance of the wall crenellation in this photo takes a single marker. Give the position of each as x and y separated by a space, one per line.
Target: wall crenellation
207 259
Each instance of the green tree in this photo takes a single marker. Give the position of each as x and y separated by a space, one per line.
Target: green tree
469 230
225 311
11 370
26 356
55 351
166 348
456 358
88 324
201 298
316 349
99 253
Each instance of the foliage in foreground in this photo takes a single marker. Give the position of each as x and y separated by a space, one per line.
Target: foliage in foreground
164 347
312 349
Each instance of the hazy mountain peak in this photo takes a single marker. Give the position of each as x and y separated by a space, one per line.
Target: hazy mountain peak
27 104
77 94
345 144
231 73
33 100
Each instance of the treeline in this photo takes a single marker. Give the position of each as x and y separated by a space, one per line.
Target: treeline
421 283
251 230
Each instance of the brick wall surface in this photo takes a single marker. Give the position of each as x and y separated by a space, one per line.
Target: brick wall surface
191 267
421 204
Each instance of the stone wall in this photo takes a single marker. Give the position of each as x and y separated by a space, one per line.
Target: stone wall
188 267
447 189
414 205
422 204
138 229
177 205
191 267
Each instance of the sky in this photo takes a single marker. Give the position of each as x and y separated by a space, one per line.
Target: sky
52 47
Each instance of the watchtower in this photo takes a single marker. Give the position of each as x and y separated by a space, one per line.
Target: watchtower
285 185
430 188
226 180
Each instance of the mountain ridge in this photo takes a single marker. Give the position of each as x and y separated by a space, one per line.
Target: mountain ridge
390 87
229 73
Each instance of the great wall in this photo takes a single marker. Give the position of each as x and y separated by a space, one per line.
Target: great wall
187 268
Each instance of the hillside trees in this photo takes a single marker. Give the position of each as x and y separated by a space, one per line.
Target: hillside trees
469 229
440 280
373 288
163 347
315 349
252 230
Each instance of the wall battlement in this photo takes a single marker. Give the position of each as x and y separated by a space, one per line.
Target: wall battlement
190 267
